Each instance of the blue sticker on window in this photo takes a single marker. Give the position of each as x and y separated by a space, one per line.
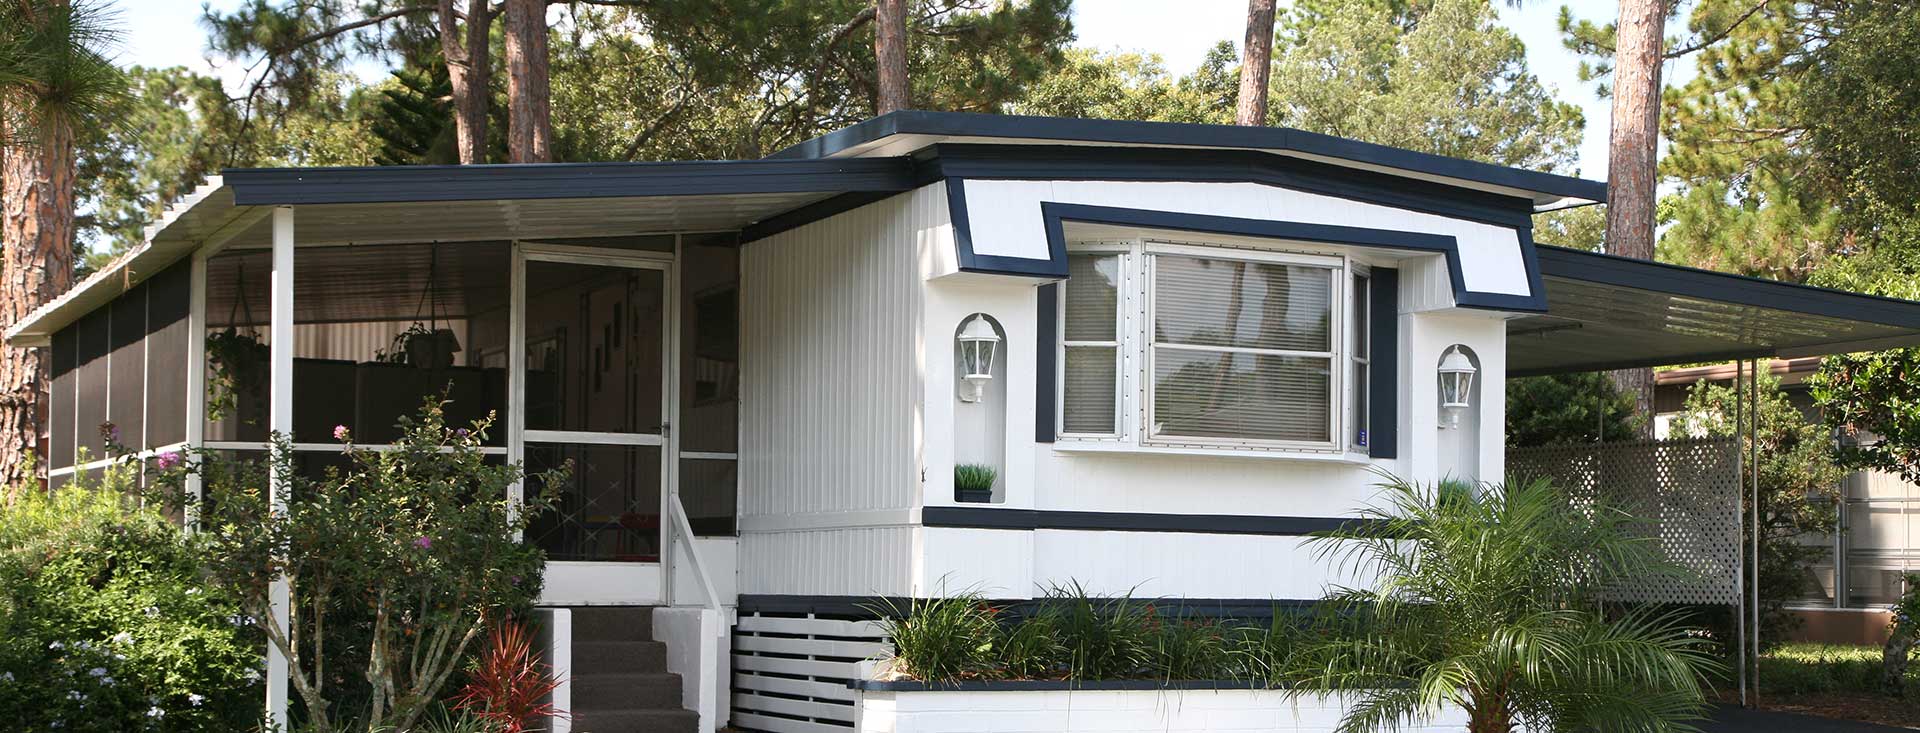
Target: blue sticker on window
1363 439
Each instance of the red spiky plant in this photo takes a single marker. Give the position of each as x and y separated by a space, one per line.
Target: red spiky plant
510 685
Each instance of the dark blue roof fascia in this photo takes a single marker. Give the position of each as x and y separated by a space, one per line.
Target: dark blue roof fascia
1689 282
392 184
958 124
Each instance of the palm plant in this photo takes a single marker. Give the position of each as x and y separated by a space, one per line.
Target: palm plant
1489 600
56 82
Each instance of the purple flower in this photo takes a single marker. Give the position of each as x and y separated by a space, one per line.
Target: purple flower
462 432
340 433
424 543
167 460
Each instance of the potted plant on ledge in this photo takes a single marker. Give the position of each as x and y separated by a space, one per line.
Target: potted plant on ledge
973 483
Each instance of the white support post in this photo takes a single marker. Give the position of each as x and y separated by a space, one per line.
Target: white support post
196 381
280 421
516 417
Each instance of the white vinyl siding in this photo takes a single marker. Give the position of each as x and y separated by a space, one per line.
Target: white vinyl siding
1219 348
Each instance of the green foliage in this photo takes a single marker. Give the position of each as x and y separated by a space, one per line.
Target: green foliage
1799 483
1119 85
1104 638
1489 602
1800 668
413 118
974 477
1861 85
1190 649
1441 77
106 623
942 639
1583 228
396 562
56 69
1567 409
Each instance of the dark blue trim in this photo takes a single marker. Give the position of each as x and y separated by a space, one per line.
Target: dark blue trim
1054 213
1546 187
1753 292
1030 519
384 184
1046 322
811 213
1069 163
1383 393
1052 268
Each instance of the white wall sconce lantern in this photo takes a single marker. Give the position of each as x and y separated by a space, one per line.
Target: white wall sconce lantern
977 341
1456 384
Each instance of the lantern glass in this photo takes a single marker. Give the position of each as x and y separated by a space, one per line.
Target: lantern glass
977 341
1456 379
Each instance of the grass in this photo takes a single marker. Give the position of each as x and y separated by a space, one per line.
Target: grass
974 477
1804 668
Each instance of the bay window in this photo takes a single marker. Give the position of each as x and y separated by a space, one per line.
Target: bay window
1175 346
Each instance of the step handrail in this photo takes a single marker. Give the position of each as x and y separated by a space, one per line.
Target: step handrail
682 529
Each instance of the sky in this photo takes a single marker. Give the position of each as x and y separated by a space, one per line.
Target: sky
168 33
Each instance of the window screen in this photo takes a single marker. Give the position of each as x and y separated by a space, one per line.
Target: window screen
1092 344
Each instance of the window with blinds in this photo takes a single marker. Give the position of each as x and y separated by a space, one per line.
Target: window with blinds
1091 351
1185 346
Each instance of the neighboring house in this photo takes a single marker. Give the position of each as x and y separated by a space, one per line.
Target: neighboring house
1207 342
1860 574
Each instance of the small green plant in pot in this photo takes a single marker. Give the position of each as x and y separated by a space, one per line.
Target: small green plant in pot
973 483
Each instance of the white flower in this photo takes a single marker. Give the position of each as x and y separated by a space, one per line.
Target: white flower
253 675
6 676
156 712
152 611
106 680
97 672
122 637
56 646
76 695
195 699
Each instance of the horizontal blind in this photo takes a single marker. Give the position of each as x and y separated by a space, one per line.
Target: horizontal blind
1241 350
1241 304
1240 396
1090 384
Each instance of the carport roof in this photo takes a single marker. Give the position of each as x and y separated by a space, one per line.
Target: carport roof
1608 312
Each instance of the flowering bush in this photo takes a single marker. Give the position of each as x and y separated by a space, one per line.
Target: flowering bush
396 563
106 625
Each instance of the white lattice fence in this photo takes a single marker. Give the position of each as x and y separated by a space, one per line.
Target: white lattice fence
1686 492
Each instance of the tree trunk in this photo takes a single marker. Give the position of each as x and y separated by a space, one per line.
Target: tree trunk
36 184
890 55
1632 162
469 71
1256 64
529 113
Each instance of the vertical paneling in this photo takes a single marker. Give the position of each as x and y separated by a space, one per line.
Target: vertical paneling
830 380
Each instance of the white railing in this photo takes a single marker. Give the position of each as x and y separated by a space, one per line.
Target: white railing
682 529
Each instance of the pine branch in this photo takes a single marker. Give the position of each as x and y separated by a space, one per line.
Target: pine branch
1717 37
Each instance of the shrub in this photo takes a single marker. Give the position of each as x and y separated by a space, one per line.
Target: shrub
1802 668
509 684
396 563
106 623
1104 638
974 477
941 639
1190 649
1030 648
1263 654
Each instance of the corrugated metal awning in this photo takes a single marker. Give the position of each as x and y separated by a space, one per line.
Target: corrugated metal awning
1607 312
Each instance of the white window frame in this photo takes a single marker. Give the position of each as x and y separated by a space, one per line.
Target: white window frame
1135 351
1124 305
1361 332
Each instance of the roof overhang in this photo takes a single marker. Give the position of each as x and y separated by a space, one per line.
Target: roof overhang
905 132
371 205
1608 312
